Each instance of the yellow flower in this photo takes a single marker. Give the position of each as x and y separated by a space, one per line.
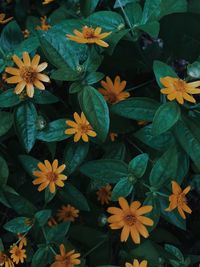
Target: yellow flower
3 20
178 89
5 260
26 33
113 136
130 219
66 259
23 240
67 213
89 35
113 92
104 194
18 254
27 74
81 128
178 200
137 264
46 2
44 24
52 222
49 175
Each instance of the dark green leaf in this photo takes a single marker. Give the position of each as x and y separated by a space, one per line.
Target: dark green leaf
96 111
9 99
70 194
74 155
6 120
88 6
17 225
42 216
54 131
105 170
29 164
137 108
58 232
4 171
137 166
165 118
41 257
94 77
44 97
122 189
25 117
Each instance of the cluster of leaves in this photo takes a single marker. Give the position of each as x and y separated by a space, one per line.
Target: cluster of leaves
150 39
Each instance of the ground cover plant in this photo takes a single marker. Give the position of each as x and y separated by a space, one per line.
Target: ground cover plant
99 133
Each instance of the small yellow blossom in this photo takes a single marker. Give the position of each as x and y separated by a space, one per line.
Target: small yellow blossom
18 254
137 264
104 194
3 20
44 24
67 213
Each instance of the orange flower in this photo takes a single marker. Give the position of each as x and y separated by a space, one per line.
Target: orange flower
18 254
179 89
113 92
49 175
81 128
67 213
130 219
23 240
178 200
46 2
52 222
3 20
89 36
66 259
5 260
104 194
28 74
44 24
137 264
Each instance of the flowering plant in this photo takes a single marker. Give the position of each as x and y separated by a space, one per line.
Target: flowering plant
99 133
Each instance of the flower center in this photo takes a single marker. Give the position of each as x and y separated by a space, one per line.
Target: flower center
28 74
88 32
180 86
181 200
83 128
112 98
130 219
52 177
18 252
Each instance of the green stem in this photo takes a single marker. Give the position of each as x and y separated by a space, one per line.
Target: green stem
94 248
140 85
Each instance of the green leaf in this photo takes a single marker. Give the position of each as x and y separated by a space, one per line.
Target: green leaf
170 6
4 171
123 3
175 252
188 135
96 111
29 164
161 142
41 257
65 74
42 216
136 108
9 99
165 118
137 166
57 233
6 120
156 211
164 169
105 170
162 70
122 189
1 245
44 97
151 11
11 36
193 70
17 225
70 194
94 77
25 117
54 131
74 155
88 6
29 45
108 20
152 28
21 205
